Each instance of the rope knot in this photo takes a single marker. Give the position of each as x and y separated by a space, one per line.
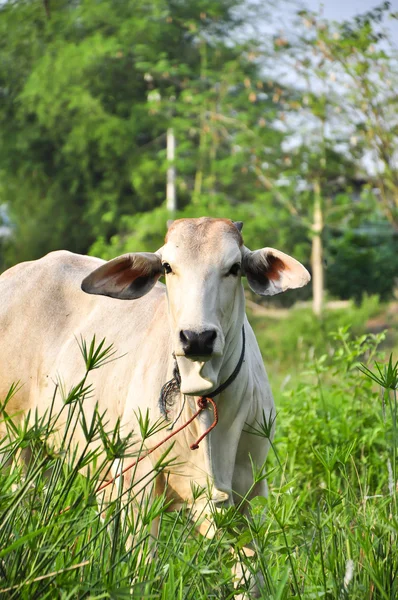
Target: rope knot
202 402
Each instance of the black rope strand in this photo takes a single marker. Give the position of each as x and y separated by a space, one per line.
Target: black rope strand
235 373
169 390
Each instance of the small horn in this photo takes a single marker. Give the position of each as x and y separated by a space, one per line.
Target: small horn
238 225
169 223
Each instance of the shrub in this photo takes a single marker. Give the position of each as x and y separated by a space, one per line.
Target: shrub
363 263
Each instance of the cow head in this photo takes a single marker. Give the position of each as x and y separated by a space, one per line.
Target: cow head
203 261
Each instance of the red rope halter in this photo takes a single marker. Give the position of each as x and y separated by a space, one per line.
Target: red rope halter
202 404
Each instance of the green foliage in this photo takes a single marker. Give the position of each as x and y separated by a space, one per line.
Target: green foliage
146 231
363 263
333 409
328 526
88 91
297 333
86 104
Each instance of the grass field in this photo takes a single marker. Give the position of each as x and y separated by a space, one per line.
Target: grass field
327 530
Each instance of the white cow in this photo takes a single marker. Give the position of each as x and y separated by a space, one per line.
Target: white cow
197 320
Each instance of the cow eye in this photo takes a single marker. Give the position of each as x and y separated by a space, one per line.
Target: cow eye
234 270
167 268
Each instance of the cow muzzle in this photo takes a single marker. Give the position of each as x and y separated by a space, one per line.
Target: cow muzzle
198 345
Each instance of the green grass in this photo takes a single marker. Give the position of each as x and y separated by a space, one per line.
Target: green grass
327 530
287 343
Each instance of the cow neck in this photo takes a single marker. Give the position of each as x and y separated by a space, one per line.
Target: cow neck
172 387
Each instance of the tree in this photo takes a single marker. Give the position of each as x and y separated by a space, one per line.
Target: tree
363 259
360 58
82 142
348 111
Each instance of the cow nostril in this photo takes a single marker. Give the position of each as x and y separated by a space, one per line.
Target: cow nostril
207 338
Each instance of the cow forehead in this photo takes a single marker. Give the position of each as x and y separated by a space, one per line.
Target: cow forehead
204 238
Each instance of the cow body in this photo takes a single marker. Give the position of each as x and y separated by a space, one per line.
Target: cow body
43 311
195 320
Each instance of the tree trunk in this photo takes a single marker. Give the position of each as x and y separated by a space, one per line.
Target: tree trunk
171 198
317 254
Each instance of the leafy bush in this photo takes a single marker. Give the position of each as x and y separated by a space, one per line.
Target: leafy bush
362 263
330 530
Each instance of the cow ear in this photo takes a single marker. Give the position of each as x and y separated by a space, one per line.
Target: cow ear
126 277
270 271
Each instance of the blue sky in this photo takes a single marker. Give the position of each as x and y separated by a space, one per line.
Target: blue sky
345 9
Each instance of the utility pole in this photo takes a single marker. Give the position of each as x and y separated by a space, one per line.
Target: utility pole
171 198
